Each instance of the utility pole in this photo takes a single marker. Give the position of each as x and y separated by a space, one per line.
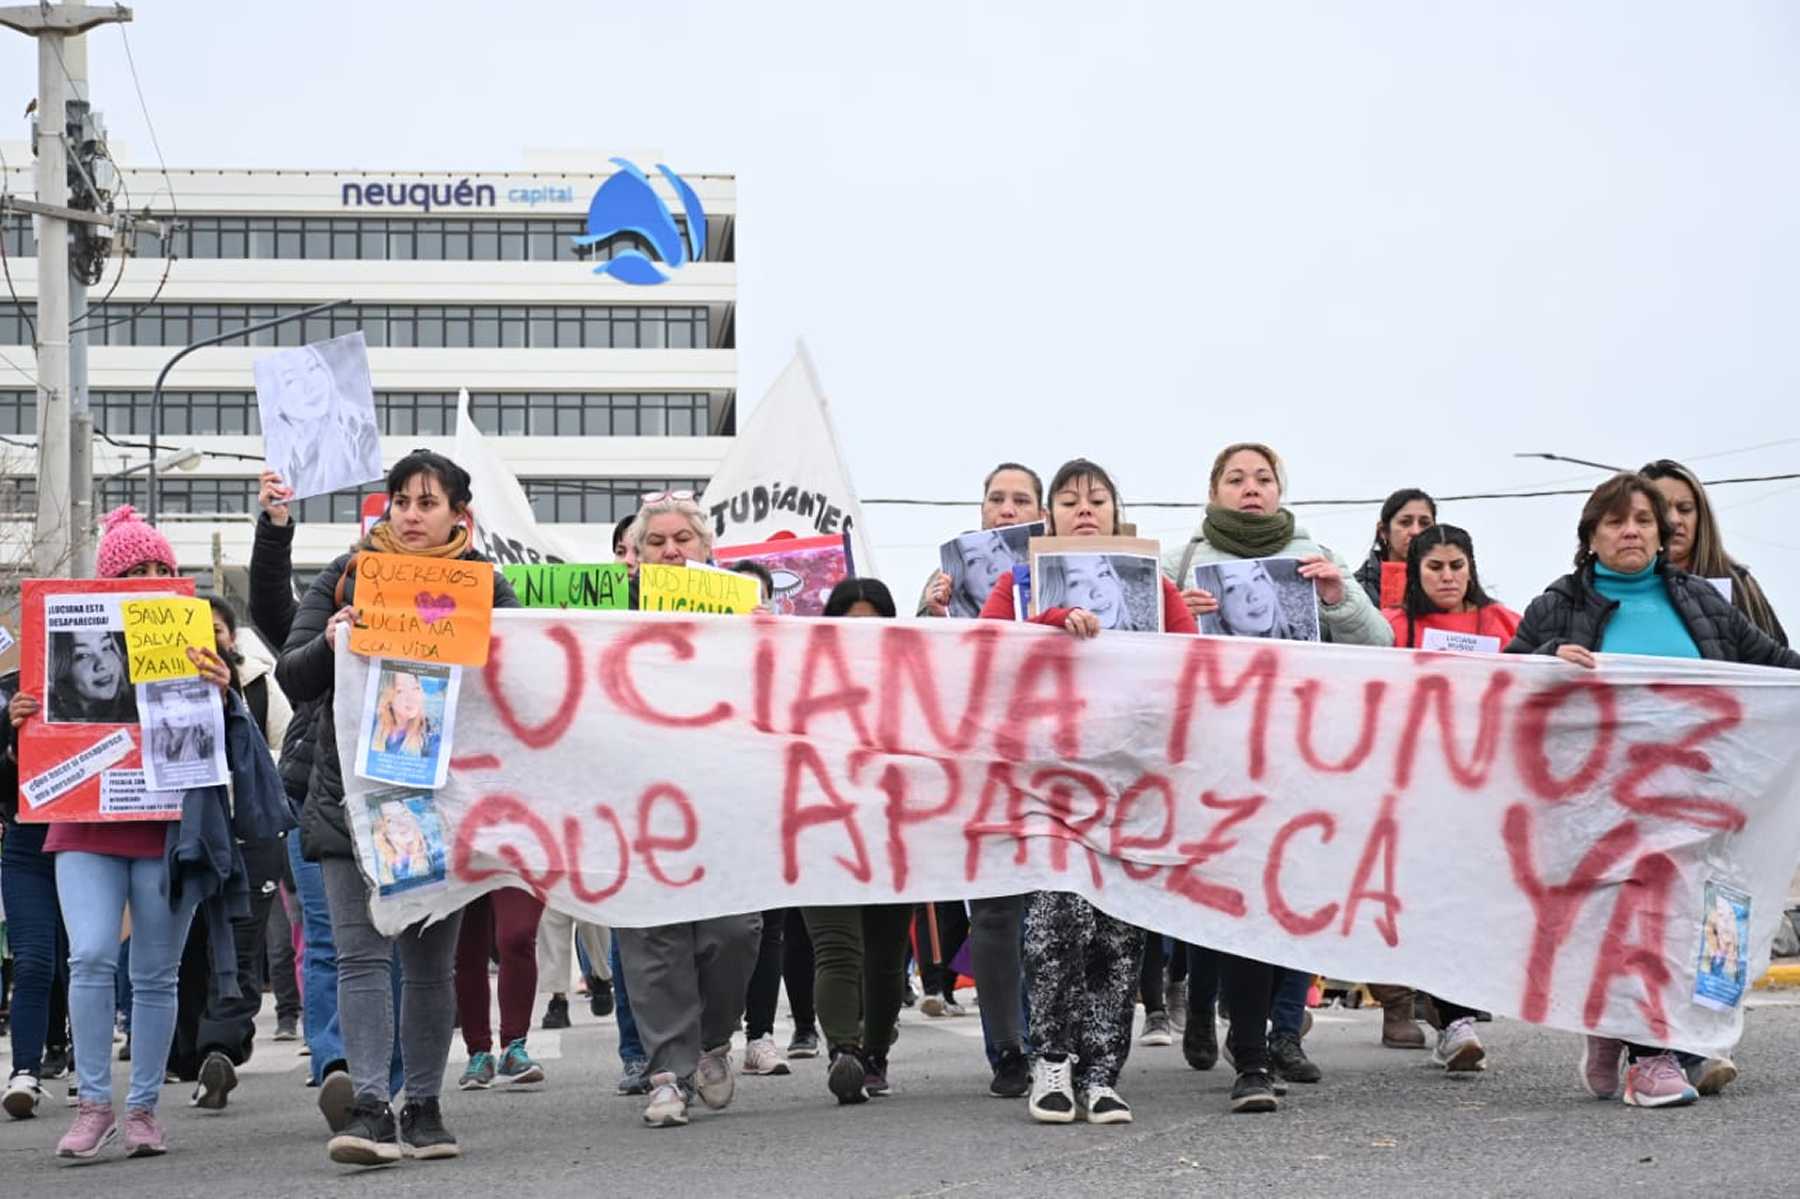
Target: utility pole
53 25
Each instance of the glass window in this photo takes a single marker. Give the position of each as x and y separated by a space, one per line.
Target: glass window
203 239
317 240
289 240
456 241
234 239
541 246
431 240
344 239
261 238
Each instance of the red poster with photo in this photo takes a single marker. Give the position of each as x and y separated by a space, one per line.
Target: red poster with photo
805 569
80 756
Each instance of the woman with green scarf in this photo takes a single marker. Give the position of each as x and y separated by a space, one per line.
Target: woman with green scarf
1245 519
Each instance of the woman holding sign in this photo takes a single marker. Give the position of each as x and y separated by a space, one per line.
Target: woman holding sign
1245 520
428 505
1404 515
687 981
1444 593
1081 965
1625 598
102 871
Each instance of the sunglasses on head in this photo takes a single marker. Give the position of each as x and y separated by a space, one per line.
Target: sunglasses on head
657 497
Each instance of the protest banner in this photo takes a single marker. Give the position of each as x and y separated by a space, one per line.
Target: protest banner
317 404
602 587
506 531
784 472
159 633
805 569
696 588
81 759
433 610
1510 832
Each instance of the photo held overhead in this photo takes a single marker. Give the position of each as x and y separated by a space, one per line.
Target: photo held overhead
435 610
1285 801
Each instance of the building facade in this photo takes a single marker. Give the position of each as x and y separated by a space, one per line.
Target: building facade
594 391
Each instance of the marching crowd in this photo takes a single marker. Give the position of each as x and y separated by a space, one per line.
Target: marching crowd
115 943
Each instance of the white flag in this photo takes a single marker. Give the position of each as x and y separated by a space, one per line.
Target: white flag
785 474
506 530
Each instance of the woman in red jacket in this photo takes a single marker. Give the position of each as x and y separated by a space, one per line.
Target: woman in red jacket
1081 965
1443 591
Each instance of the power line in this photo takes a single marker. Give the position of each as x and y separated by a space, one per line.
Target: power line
1375 502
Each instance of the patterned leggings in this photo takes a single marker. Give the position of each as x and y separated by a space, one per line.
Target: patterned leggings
1081 969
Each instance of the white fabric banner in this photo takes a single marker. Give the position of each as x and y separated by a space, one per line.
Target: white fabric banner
1599 850
785 473
506 529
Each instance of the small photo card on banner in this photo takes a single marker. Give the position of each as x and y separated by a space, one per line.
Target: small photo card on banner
159 633
1724 969
72 645
1445 641
696 588
317 404
183 722
601 587
804 569
1260 597
409 716
436 610
976 562
406 832
1118 579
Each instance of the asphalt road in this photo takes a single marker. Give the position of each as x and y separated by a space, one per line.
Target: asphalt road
1383 1123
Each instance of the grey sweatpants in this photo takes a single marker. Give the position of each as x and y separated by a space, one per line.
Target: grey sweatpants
365 961
687 984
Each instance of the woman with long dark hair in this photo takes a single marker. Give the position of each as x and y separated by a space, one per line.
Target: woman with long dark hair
1404 515
1443 591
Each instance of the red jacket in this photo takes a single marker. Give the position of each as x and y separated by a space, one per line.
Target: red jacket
999 606
1495 620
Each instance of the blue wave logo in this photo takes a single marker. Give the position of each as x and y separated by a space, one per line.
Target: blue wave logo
626 203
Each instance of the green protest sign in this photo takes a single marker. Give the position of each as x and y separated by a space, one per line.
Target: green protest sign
601 587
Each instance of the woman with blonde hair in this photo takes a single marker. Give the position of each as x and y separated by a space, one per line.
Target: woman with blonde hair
1696 546
402 725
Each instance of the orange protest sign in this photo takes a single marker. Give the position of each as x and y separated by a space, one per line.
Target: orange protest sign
423 609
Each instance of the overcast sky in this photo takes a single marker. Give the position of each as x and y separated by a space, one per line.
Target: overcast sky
1399 241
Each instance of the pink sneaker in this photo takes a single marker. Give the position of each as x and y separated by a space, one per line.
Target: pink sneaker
143 1135
1658 1082
1600 1057
92 1129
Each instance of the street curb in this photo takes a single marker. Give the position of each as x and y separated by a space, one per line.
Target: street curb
1784 974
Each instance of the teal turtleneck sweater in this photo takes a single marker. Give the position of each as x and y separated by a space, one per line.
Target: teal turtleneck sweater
1646 621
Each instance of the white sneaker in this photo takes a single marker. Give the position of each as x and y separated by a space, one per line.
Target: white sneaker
23 1097
1053 1090
1103 1106
953 1008
762 1057
668 1106
1156 1030
713 1078
1458 1050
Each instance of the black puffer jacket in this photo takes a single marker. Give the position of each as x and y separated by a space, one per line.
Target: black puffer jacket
308 673
1572 612
272 609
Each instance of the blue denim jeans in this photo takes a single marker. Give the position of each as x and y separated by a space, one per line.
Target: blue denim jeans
1287 1006
631 1046
95 890
34 934
318 966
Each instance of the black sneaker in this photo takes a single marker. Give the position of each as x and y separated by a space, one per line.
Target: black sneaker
556 1015
218 1078
337 1098
804 1043
1012 1077
849 1077
600 997
1289 1061
55 1064
371 1138
423 1133
1254 1091
875 1079
1200 1041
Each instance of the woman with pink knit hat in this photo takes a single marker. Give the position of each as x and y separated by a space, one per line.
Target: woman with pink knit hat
101 870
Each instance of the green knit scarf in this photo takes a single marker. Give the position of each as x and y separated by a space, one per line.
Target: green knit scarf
1247 534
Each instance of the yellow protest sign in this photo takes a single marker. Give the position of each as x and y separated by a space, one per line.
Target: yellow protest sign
696 589
158 633
438 610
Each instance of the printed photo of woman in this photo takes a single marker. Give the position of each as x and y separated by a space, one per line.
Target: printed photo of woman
1259 597
403 724
88 681
1123 591
976 561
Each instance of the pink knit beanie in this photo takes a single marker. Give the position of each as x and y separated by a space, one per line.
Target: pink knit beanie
126 541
